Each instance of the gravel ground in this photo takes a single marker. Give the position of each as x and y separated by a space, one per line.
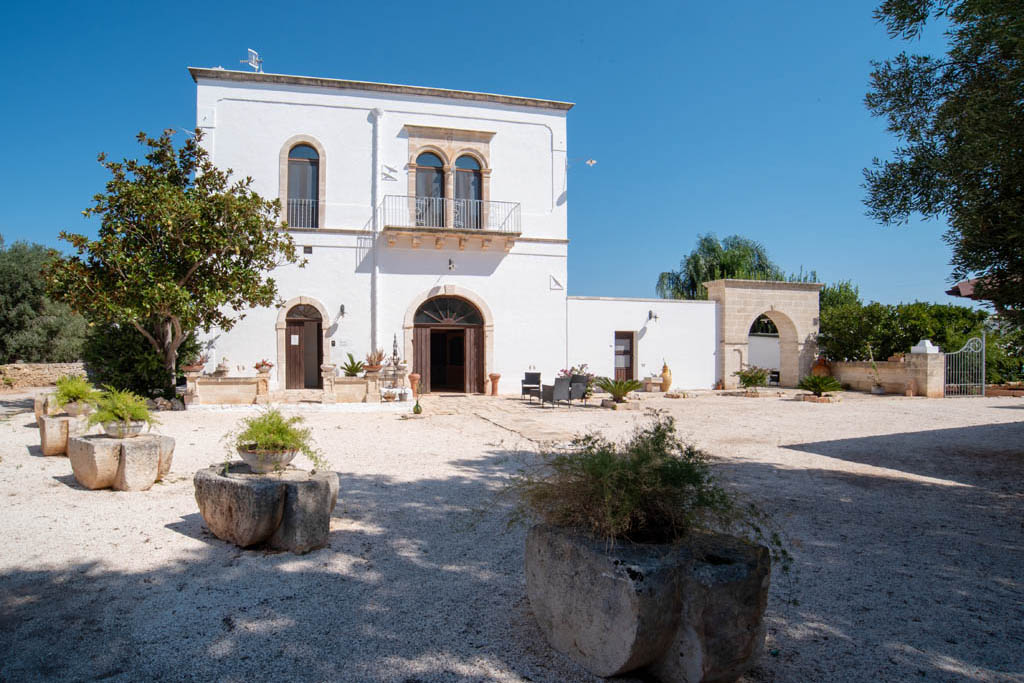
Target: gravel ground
904 517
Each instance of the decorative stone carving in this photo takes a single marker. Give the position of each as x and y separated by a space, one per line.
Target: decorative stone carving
134 464
681 615
289 510
55 430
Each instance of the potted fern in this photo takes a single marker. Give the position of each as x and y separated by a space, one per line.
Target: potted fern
269 441
751 378
122 414
75 395
627 539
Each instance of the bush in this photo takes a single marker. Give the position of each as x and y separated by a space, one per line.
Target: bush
820 385
581 369
752 377
75 388
271 431
116 405
618 388
121 357
650 489
353 367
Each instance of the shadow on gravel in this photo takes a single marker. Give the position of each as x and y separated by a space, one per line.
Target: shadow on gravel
897 578
982 455
420 581
69 481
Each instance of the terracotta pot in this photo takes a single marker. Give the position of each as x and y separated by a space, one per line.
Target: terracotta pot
495 376
666 377
414 383
821 368
372 368
193 368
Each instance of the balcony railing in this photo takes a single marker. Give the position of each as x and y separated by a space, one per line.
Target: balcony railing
451 214
303 213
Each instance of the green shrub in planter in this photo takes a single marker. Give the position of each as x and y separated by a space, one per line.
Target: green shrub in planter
752 377
353 367
618 388
120 406
271 432
819 385
75 389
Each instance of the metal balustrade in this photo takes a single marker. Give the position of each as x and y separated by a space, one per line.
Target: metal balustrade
303 213
403 211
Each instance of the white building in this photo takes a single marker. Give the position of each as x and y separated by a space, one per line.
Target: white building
435 217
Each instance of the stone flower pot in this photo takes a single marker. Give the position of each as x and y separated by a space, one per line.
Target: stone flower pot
680 614
124 430
76 408
263 462
877 389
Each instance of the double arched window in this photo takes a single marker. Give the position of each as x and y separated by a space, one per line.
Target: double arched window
431 194
303 187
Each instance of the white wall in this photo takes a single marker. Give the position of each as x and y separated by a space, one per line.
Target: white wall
763 351
684 336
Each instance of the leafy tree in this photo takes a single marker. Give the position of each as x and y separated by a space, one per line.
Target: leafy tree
180 247
732 257
960 126
33 327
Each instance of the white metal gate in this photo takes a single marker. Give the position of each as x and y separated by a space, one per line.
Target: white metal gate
965 369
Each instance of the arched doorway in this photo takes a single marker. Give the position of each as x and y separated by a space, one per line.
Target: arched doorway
763 345
304 351
448 345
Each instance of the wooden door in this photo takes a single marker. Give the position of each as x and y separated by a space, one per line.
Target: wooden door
295 374
474 360
421 356
625 348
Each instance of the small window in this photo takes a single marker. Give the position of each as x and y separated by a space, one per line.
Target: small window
307 250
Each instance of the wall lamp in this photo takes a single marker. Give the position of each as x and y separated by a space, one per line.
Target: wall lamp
651 315
341 311
451 264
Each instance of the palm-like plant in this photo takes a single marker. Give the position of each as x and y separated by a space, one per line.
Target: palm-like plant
353 367
618 388
819 385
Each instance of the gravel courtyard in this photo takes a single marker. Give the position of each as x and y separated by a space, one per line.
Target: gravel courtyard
905 517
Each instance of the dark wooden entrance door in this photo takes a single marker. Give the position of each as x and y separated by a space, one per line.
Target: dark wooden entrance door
304 352
448 346
448 360
625 343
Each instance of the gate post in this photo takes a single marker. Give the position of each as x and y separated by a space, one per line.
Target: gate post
927 367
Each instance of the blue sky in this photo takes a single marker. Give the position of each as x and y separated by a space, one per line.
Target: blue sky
733 118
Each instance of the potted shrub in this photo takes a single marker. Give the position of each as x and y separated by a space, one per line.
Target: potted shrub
196 363
269 441
751 378
353 367
263 366
618 388
374 360
122 414
641 558
820 385
75 395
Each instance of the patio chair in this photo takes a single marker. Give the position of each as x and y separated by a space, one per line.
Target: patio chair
553 393
531 385
773 378
578 388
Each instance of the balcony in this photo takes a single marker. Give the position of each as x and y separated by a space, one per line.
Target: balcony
303 213
440 218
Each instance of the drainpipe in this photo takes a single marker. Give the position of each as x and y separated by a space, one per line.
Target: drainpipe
375 200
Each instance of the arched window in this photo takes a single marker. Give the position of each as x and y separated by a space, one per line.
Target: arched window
447 310
429 190
468 193
303 187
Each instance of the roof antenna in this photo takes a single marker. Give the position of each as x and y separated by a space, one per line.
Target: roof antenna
254 61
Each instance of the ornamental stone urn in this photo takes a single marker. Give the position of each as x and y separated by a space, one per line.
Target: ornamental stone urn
678 614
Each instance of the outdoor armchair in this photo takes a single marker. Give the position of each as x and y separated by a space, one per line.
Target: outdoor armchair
553 393
578 388
531 384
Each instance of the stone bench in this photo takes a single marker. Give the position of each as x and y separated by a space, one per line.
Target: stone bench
133 464
56 430
287 510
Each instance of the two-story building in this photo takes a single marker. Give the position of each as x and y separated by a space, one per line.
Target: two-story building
435 217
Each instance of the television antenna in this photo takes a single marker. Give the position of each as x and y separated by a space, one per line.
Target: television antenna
253 61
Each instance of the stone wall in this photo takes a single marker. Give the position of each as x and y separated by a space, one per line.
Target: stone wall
24 375
923 374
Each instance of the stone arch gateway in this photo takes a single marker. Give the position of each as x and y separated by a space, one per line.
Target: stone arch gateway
792 306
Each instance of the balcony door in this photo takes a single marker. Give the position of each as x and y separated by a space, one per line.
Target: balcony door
303 187
468 193
429 191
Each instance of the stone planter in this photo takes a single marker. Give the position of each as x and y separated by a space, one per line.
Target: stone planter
811 398
124 430
372 368
77 408
263 462
625 405
55 430
681 616
877 389
289 510
134 464
44 405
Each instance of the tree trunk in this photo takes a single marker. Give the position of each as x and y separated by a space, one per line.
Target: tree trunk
166 341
